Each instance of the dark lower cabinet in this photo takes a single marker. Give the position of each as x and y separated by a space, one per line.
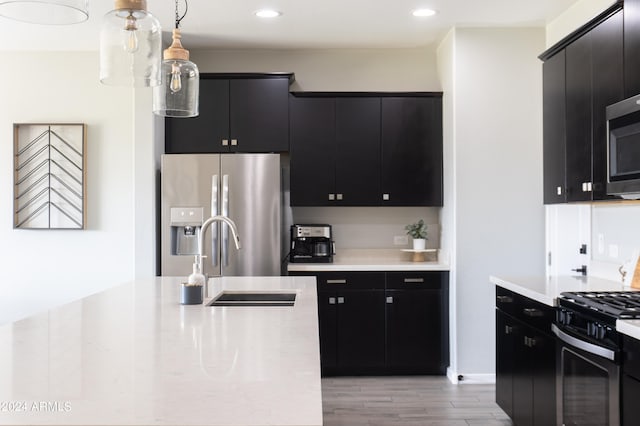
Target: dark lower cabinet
360 330
415 340
630 378
383 322
525 361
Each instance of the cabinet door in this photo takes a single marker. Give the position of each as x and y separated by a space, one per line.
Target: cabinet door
578 113
327 316
312 130
204 133
412 151
554 121
259 114
358 151
415 331
522 381
505 329
630 395
607 88
631 48
360 330
543 376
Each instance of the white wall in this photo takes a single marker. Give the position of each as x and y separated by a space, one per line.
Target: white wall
44 268
573 18
333 69
496 114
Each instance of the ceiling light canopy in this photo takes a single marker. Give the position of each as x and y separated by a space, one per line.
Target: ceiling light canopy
267 13
130 46
178 93
423 12
51 12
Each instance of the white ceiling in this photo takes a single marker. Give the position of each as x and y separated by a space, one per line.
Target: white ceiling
304 24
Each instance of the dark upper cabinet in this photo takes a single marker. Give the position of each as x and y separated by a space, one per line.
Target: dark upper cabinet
313 139
607 88
631 48
335 151
578 118
236 115
366 150
589 72
554 133
412 151
357 157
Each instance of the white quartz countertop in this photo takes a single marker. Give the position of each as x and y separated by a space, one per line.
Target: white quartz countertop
132 355
375 260
547 289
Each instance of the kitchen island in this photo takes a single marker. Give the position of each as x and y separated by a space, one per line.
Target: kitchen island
132 355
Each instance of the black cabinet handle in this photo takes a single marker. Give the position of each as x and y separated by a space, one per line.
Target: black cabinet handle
504 299
389 299
508 329
529 342
336 281
340 300
332 300
414 280
533 312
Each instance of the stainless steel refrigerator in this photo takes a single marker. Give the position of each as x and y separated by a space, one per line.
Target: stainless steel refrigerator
244 187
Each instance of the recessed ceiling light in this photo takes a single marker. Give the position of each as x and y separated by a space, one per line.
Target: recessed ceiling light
267 13
423 12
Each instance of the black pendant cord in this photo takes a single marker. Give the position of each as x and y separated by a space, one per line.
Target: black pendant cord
178 17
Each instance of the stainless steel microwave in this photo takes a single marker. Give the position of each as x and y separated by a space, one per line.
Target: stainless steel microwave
623 148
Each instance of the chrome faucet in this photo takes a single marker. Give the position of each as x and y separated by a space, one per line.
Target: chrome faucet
203 230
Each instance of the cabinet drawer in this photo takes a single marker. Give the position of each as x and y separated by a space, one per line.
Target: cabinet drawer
533 313
415 280
328 281
505 300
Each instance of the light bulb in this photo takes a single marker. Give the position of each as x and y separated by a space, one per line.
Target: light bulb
176 80
130 27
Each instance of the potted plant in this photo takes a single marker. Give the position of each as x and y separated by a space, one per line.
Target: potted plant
417 231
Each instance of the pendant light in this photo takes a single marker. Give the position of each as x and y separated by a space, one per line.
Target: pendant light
50 12
130 45
177 95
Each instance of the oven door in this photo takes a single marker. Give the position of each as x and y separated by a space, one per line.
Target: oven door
588 382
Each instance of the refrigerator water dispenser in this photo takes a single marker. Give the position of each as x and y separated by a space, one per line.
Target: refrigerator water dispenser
186 223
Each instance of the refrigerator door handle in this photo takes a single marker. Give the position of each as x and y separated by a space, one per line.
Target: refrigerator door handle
215 183
225 212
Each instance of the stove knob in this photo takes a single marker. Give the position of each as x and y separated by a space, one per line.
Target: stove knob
568 316
591 329
601 332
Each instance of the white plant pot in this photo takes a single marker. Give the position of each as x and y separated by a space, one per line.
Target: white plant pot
419 243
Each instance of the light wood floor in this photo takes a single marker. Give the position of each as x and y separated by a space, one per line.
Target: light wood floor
408 401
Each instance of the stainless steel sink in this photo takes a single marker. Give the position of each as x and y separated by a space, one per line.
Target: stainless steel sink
253 298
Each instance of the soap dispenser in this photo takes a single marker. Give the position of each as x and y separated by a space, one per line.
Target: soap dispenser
192 290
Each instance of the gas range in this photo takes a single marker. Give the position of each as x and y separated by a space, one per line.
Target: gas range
606 305
592 315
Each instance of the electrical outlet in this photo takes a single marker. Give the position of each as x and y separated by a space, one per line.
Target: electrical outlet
613 251
400 240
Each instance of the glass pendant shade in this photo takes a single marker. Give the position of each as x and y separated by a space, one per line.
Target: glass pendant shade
50 12
130 46
178 94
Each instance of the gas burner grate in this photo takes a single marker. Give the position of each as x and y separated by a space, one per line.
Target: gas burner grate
619 304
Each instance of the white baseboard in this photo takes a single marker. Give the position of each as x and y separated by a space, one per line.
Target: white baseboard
470 379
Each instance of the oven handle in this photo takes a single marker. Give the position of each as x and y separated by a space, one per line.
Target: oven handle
585 346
